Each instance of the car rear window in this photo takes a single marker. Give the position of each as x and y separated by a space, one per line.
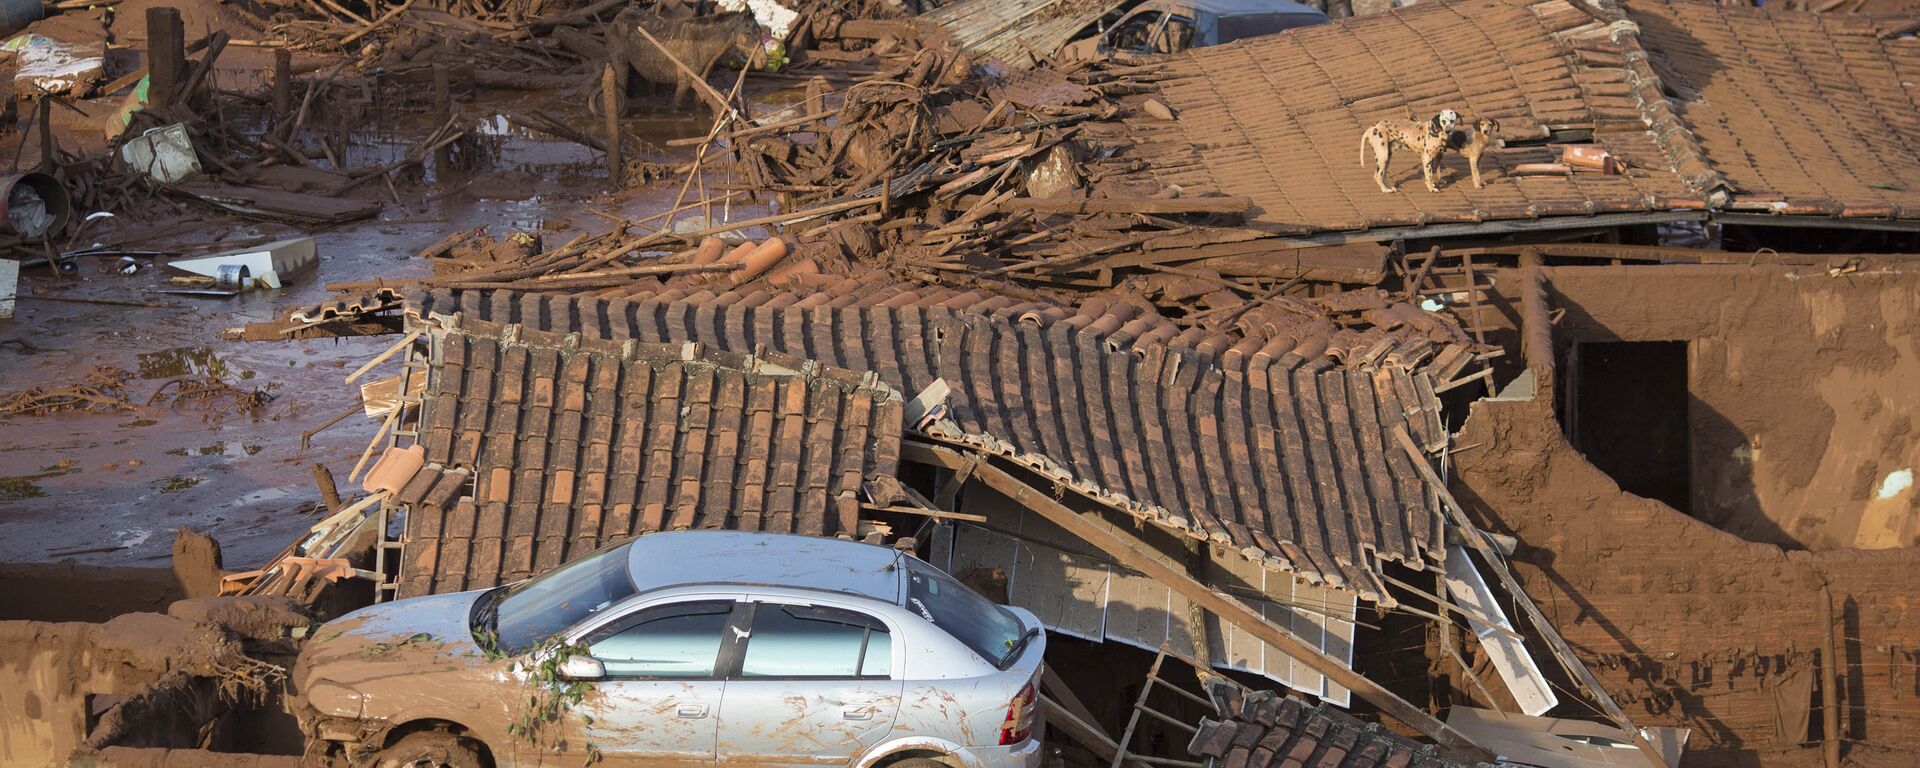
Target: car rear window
984 628
1256 24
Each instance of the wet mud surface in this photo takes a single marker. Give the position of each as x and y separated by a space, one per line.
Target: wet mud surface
109 488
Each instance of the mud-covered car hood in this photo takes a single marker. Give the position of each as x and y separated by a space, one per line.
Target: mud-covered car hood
406 637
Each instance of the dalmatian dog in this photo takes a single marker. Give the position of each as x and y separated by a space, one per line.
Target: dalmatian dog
1429 138
1474 143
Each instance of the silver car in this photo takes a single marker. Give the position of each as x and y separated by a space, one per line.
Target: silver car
696 648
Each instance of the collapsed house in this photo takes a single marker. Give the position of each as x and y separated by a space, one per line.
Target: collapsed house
1228 365
1132 427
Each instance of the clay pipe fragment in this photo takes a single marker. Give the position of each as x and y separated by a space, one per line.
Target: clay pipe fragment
761 259
710 251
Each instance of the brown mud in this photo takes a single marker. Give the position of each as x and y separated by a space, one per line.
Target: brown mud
1688 625
107 488
1800 406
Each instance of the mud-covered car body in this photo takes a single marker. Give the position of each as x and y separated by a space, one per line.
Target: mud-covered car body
695 648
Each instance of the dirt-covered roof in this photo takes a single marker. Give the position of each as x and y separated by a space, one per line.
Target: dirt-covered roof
1802 113
1278 119
1286 457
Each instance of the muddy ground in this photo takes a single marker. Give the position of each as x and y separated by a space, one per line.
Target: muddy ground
109 488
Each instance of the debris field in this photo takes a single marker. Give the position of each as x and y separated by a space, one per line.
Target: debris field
1581 435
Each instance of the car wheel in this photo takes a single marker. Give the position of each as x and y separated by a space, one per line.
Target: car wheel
430 749
919 762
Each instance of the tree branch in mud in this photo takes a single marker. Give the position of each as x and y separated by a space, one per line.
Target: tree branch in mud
550 696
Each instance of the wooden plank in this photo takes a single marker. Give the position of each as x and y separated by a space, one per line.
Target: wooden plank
1119 204
1130 553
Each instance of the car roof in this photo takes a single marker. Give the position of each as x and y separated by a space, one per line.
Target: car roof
1238 7
687 558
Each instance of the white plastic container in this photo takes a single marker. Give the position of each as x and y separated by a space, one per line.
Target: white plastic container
164 153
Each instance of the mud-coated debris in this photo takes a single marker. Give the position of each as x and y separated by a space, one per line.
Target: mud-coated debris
213 397
102 389
258 617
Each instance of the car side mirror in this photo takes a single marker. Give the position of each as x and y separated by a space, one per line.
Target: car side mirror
582 668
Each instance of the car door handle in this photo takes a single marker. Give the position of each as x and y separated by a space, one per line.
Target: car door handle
856 713
692 711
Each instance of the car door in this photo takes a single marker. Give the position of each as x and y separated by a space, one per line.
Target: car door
816 685
659 703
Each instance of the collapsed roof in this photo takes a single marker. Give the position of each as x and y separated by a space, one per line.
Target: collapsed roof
1285 457
1020 32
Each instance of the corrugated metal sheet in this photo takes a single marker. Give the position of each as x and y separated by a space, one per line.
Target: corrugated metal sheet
1086 597
1015 32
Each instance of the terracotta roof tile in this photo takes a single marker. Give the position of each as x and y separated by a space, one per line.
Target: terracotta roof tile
1812 110
609 428
1288 459
1263 729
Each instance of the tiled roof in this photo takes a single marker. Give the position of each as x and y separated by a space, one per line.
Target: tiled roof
1286 457
1014 32
1262 729
1278 119
572 442
1806 113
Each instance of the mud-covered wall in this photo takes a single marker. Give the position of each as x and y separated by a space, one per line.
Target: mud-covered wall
52 673
1804 390
1691 626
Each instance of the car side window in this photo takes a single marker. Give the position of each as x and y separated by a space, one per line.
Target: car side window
1174 36
681 640
809 641
1134 33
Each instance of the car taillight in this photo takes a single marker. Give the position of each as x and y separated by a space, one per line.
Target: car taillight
1020 716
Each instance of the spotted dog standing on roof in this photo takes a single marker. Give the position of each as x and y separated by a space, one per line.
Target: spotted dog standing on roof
1474 143
1429 138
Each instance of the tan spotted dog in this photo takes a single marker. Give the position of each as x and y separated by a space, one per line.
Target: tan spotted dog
1474 143
1429 138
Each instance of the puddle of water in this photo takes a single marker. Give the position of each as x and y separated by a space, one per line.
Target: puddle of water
228 449
132 537
178 483
186 361
256 497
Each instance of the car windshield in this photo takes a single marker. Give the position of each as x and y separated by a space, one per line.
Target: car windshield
1256 24
535 610
987 629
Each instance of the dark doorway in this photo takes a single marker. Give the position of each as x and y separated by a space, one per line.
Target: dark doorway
1629 415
